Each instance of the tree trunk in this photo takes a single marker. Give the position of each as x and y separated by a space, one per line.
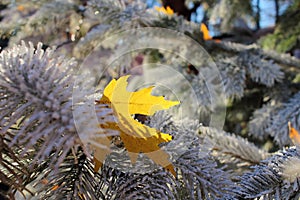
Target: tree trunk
276 11
257 18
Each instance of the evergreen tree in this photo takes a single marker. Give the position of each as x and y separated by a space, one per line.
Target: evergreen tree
46 43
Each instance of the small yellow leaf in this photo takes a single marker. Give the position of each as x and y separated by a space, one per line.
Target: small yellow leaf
167 11
137 137
294 134
205 32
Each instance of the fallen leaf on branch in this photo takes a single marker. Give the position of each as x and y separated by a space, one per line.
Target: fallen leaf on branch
137 137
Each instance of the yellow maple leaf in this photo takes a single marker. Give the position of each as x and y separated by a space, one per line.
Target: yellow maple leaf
167 11
137 137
